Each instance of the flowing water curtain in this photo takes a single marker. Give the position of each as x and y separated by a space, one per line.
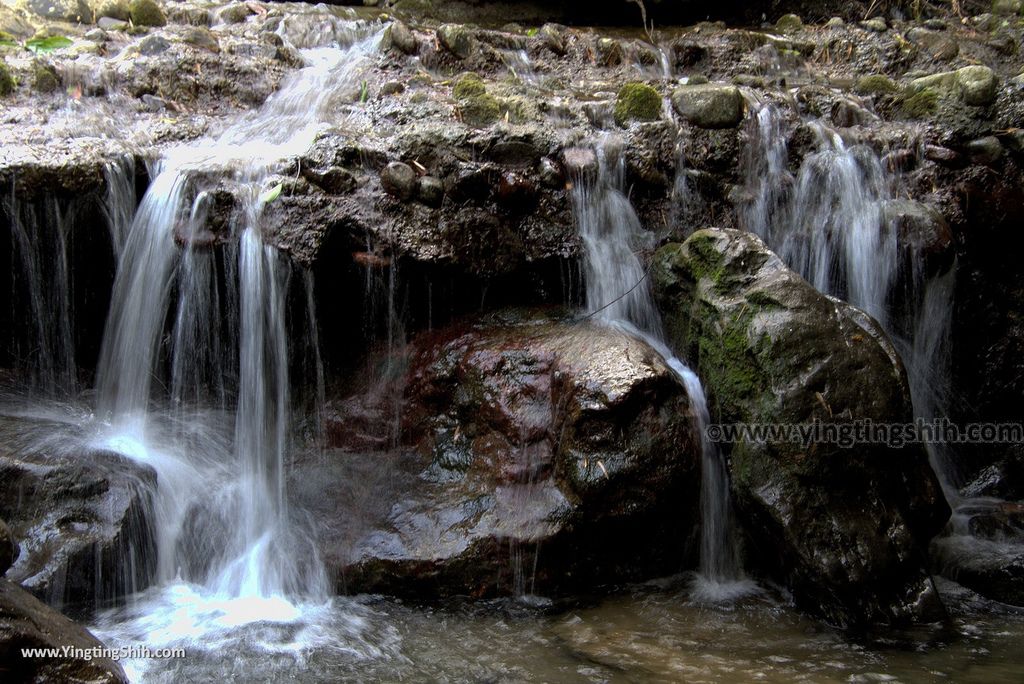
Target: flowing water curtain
829 225
618 294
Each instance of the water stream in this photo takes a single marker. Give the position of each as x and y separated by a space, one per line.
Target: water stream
618 294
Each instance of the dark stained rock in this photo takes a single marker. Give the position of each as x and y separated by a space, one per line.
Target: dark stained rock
994 569
25 622
83 523
431 191
8 548
845 526
399 180
570 443
456 39
922 232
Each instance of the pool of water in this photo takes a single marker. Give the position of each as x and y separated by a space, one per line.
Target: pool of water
648 633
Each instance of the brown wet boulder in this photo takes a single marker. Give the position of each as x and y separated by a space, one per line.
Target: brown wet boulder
533 454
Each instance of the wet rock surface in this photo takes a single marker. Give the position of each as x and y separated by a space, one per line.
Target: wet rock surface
845 526
530 454
26 622
81 521
482 186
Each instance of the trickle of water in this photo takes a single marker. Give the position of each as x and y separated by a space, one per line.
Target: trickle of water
40 278
768 181
518 62
618 294
120 201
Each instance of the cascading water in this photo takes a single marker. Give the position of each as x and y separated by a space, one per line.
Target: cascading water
230 551
618 295
830 226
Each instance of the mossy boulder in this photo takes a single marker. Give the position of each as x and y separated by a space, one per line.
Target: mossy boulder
45 78
476 106
7 83
113 9
146 13
975 85
1007 7
876 84
709 105
789 23
918 105
844 526
637 102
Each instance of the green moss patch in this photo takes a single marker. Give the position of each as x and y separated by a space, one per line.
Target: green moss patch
637 102
876 84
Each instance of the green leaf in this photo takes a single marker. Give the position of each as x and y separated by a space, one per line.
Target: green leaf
49 44
271 194
364 92
531 32
5 42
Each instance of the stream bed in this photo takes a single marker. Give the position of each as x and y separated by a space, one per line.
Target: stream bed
646 633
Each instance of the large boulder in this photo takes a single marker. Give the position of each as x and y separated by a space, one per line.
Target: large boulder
26 622
844 524
533 454
82 521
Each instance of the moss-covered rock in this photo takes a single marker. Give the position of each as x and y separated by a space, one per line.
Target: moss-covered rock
146 13
637 102
1007 7
113 9
876 84
844 525
789 23
918 105
476 105
44 78
975 85
7 83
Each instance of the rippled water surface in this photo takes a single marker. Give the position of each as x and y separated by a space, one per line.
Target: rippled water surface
652 633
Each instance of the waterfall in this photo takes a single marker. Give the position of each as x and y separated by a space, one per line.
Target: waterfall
209 311
618 294
829 226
